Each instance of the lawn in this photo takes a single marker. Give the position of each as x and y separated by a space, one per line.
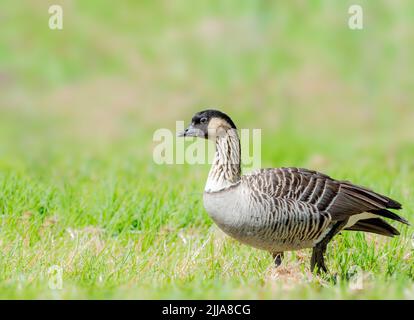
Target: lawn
81 194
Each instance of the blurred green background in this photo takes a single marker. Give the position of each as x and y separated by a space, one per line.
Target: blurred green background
78 108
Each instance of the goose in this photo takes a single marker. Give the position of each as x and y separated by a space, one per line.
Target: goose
283 209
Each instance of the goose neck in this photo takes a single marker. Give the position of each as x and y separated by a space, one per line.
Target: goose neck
226 169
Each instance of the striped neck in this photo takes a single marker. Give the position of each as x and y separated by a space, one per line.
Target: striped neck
225 170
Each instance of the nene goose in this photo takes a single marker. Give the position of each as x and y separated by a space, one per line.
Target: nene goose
283 209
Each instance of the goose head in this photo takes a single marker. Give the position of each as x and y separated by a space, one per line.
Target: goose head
208 124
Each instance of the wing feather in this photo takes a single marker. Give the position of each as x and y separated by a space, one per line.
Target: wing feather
341 199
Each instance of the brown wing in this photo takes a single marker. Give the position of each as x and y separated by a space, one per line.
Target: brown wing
340 199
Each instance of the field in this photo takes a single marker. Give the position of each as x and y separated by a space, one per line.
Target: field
81 194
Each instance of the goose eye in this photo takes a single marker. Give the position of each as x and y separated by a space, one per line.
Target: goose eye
203 120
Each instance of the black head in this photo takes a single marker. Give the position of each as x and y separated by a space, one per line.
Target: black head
205 124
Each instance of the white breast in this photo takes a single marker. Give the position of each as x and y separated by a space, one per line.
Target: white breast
224 208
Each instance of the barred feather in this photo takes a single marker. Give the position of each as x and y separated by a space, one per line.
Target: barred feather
288 208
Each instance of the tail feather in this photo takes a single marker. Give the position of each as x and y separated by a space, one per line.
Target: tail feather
390 215
372 197
374 225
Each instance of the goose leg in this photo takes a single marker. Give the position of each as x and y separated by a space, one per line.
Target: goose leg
318 252
277 258
317 259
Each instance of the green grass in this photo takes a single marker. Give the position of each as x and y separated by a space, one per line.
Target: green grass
79 188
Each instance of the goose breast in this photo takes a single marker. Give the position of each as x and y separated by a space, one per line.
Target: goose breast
256 218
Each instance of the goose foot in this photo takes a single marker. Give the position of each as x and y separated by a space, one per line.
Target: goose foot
277 258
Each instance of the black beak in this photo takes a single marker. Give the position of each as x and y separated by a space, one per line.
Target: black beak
191 132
